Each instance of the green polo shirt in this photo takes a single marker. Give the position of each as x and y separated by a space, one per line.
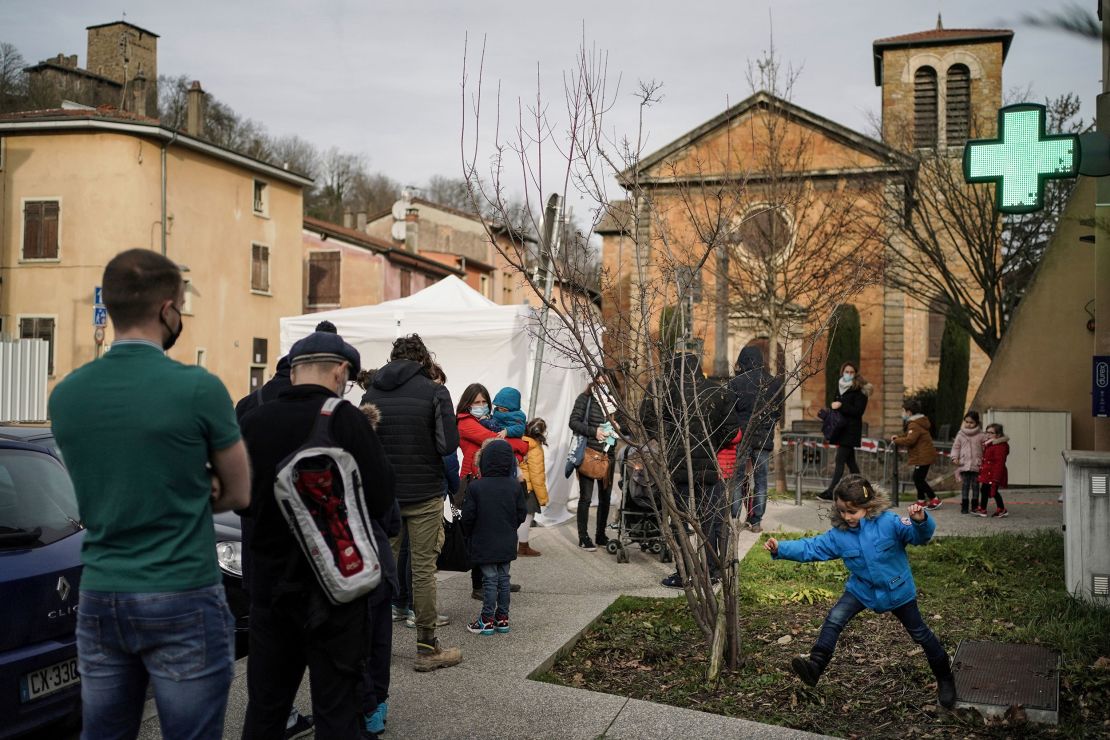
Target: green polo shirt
136 429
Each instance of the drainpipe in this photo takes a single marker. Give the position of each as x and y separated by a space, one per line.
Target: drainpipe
165 146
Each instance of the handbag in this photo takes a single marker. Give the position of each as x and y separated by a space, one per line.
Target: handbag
595 464
453 556
832 423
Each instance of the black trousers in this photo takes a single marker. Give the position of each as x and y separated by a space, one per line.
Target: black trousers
586 495
281 647
986 490
925 492
845 457
375 685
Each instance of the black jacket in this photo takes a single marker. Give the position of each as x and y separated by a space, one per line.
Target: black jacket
758 399
272 432
587 427
270 390
693 408
417 428
494 507
853 404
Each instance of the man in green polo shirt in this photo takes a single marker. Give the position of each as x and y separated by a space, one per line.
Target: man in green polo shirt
138 432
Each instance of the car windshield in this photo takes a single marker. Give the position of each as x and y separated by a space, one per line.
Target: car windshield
37 503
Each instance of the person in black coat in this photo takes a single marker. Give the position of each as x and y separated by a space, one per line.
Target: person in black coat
493 509
593 407
851 402
758 407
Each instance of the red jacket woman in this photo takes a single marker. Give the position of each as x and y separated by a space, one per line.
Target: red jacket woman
475 401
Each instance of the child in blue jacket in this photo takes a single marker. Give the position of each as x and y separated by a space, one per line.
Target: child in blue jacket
872 542
506 415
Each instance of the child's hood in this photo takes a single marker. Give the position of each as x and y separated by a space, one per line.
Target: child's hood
920 420
971 435
496 459
508 398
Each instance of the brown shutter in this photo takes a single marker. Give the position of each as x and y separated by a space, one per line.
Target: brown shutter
50 217
925 108
957 104
323 278
260 268
32 230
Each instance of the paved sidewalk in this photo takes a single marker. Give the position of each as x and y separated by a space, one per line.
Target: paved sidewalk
564 591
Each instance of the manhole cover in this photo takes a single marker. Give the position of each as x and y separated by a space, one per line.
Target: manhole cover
992 676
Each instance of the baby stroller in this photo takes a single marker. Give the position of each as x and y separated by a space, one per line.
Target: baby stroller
638 517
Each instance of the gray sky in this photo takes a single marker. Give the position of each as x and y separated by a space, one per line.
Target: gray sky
383 78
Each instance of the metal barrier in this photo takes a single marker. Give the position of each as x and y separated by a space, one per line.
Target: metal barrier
810 460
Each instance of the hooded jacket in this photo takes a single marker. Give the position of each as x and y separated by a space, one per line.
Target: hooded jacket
472 435
534 468
693 408
853 404
874 553
494 507
417 428
268 392
993 468
513 420
918 441
758 399
967 449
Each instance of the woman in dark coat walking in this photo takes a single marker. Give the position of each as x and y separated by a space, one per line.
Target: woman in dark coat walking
851 402
592 409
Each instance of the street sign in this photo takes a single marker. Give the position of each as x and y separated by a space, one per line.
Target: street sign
100 316
1021 159
98 296
1100 387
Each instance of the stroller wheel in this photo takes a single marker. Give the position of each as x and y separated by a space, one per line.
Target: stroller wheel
643 547
612 546
657 547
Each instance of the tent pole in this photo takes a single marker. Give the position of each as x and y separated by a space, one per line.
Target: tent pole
552 236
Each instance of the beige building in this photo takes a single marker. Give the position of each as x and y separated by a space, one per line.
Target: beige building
79 186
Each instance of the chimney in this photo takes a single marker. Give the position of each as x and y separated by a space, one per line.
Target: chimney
348 219
360 220
138 95
412 229
194 110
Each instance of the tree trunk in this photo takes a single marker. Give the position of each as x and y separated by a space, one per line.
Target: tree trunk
772 364
720 329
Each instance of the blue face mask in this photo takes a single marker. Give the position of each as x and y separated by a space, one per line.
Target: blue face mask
480 410
848 378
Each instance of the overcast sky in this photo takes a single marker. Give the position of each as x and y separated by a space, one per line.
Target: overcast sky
383 78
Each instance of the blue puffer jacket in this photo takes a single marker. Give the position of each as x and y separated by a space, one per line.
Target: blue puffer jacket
874 553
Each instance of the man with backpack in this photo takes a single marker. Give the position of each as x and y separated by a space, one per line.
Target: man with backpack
294 622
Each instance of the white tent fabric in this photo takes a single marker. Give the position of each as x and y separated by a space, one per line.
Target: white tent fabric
475 341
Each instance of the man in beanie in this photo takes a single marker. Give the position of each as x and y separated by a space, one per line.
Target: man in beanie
759 407
292 624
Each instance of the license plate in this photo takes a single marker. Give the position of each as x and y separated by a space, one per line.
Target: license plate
44 681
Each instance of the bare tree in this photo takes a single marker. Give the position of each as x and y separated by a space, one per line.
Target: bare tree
13 80
296 154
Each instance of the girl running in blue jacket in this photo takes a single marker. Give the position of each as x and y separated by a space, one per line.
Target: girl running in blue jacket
872 542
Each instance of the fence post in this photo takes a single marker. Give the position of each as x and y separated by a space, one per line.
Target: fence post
895 486
797 472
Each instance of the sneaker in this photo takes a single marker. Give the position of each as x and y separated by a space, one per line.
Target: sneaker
514 588
442 620
476 594
979 511
754 528
400 614
922 502
587 544
673 581
601 540
501 623
481 626
432 655
999 513
300 728
933 504
825 496
374 723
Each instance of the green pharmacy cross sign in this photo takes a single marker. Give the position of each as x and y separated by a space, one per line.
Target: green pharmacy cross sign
1022 157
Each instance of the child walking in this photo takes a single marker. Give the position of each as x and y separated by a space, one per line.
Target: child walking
872 542
967 453
922 453
534 469
493 509
992 472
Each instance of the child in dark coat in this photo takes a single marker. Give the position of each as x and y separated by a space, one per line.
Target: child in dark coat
493 509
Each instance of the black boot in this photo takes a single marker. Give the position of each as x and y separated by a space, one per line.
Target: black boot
810 669
963 506
946 682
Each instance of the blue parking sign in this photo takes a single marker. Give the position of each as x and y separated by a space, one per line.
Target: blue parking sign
1100 386
98 296
100 316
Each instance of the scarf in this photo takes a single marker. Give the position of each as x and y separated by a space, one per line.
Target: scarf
844 386
608 405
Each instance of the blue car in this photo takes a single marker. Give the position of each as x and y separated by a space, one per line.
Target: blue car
40 574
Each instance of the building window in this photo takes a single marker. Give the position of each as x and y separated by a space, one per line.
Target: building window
507 296
258 378
38 327
187 303
406 283
260 268
763 234
957 105
937 313
261 198
202 357
40 229
925 108
483 285
259 350
323 279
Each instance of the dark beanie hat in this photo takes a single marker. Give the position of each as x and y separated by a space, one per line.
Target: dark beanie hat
327 326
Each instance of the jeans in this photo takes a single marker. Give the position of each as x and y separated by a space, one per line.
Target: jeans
495 590
970 488
375 684
760 461
180 642
403 598
845 457
925 492
849 606
709 507
585 495
423 523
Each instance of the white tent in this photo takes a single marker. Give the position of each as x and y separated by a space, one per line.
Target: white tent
475 341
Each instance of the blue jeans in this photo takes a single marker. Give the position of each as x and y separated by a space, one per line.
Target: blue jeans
495 589
760 460
181 642
849 606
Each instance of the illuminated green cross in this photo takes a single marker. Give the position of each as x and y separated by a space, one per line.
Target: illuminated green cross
1022 157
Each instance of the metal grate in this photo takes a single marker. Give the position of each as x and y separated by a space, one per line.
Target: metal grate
999 675
925 107
1099 485
1100 584
957 104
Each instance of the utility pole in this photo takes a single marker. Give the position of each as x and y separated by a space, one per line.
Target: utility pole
552 236
1102 226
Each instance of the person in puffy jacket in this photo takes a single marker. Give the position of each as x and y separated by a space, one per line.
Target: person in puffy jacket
993 476
967 454
872 543
758 409
922 453
534 469
592 409
851 401
506 413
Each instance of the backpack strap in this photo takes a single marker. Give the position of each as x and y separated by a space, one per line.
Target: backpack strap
321 431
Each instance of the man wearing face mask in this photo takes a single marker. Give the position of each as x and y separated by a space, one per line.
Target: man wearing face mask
139 432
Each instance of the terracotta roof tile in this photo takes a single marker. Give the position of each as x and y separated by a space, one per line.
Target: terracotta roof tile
945 34
104 111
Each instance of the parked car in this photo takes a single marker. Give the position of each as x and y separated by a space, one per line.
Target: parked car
40 574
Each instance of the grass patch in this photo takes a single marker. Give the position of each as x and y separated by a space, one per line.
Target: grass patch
1007 587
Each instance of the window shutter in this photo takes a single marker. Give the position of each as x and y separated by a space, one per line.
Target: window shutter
925 108
50 217
323 278
32 230
957 104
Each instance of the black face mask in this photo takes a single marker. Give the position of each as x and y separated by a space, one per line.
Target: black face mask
168 343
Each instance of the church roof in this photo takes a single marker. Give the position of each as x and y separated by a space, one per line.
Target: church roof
939 37
897 160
